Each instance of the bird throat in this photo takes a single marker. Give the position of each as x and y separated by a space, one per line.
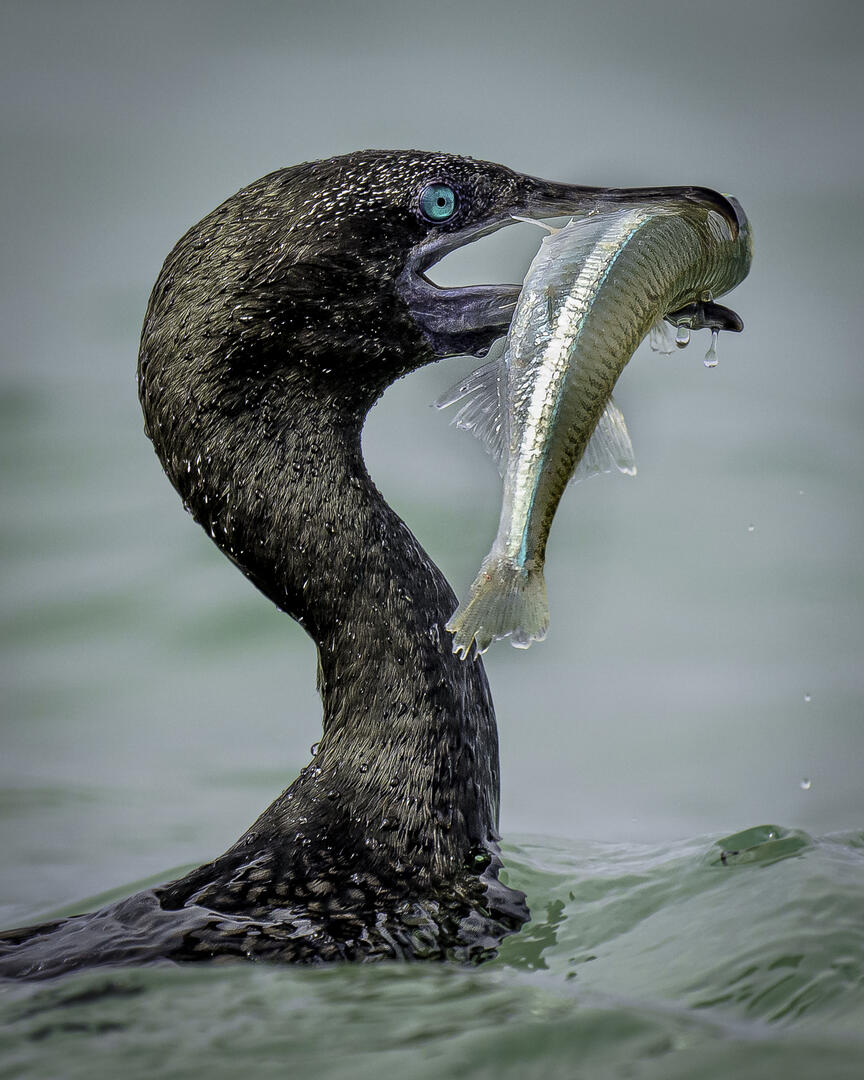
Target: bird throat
405 776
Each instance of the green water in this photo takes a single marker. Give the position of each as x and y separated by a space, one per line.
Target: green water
640 961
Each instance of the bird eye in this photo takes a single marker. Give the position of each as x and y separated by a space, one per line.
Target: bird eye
437 202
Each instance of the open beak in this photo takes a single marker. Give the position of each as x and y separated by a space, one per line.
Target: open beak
468 319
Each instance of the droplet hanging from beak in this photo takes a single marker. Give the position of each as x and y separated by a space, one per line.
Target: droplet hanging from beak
711 356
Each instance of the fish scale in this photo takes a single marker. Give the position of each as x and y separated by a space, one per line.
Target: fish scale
591 294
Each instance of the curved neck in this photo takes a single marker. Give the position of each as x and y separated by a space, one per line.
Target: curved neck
406 773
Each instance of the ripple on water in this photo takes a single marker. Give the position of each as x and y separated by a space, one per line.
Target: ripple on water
764 924
643 961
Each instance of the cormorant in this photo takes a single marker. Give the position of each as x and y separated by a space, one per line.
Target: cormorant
275 324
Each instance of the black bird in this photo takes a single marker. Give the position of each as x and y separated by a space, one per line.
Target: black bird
275 324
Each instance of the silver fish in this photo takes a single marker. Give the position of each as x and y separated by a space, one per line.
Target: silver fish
544 408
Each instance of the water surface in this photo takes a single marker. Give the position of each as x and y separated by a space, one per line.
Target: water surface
731 956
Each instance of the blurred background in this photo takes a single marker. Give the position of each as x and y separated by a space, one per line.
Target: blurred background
703 672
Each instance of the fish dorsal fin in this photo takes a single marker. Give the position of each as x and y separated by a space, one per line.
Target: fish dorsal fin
609 447
483 410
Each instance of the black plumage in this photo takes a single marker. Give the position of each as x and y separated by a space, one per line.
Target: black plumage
275 324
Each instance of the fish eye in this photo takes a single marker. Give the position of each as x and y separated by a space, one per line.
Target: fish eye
437 202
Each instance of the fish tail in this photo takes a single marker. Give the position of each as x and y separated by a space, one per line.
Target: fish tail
507 600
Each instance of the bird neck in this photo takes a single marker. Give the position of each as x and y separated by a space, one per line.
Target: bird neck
406 771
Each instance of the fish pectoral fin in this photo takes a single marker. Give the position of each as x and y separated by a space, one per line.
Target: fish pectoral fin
608 448
661 337
483 397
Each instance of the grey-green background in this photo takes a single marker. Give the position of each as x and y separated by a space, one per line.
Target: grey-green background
153 703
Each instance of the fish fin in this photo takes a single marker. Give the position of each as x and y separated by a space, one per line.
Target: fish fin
608 448
506 601
483 394
550 229
661 337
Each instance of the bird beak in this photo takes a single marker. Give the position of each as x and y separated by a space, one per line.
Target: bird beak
468 319
544 199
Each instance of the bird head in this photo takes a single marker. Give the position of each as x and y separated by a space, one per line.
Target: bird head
321 267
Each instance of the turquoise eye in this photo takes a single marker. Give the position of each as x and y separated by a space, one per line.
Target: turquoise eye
437 202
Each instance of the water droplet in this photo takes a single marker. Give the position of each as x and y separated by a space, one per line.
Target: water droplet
751 528
807 698
711 356
682 338
806 783
313 749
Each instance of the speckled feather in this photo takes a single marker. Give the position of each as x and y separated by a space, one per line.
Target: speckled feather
273 327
